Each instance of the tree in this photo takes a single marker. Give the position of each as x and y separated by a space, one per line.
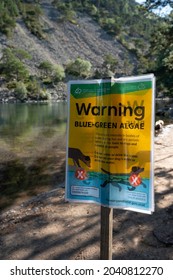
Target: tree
161 49
8 12
12 67
164 60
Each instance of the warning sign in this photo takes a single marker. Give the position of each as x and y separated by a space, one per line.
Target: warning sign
110 142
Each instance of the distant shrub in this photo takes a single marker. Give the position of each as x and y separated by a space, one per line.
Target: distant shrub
44 95
31 14
46 68
92 10
79 68
51 73
21 91
33 88
8 13
102 73
68 15
110 62
35 28
58 73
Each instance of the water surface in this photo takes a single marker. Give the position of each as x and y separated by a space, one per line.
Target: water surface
32 150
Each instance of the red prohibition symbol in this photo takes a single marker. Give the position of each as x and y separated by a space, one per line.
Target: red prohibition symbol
81 174
135 180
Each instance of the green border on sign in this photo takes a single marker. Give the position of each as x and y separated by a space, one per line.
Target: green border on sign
104 88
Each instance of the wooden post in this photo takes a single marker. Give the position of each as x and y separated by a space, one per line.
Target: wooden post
106 233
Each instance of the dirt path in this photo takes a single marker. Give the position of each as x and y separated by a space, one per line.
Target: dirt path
46 227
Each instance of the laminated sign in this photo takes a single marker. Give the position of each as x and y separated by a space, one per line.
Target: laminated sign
110 142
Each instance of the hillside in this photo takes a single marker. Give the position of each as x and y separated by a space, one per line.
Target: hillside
66 41
58 43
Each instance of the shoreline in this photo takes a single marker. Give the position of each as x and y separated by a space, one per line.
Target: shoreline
11 99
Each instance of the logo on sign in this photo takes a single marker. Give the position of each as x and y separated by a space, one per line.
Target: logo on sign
78 91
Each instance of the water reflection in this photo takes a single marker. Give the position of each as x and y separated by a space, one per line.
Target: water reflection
15 119
32 150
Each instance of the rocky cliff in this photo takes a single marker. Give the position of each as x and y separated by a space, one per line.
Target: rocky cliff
65 41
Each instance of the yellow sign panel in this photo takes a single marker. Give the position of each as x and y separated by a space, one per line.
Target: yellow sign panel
110 142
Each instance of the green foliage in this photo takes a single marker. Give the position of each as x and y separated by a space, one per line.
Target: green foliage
12 67
46 68
11 84
58 73
168 61
44 95
123 19
110 62
35 90
18 78
144 65
67 11
79 68
21 91
92 10
108 68
9 11
69 15
22 54
161 51
31 14
51 73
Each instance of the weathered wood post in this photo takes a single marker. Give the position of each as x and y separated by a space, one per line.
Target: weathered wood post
106 233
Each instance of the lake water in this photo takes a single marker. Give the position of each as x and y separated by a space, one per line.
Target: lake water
32 149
